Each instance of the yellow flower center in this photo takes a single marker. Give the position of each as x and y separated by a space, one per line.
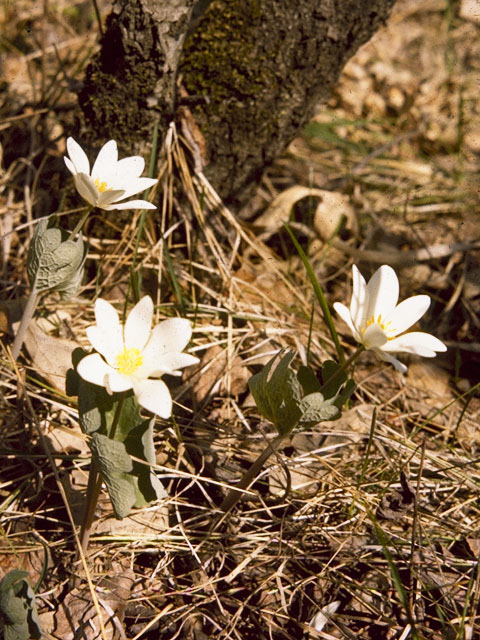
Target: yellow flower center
101 186
384 326
128 361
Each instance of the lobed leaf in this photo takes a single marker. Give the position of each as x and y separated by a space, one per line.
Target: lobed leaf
17 607
54 262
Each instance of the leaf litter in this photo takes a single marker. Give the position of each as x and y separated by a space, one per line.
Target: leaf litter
398 143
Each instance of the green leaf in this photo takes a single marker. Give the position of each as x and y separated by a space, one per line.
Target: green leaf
309 381
344 395
17 607
95 407
129 483
277 392
333 377
139 444
54 262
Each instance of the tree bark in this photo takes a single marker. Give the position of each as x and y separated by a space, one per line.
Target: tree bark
252 73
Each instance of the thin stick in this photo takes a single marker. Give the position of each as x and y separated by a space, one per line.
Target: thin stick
27 316
234 495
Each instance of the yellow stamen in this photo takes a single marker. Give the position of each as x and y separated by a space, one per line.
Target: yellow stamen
101 186
384 326
128 361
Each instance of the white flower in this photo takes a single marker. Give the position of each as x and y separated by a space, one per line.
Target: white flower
111 179
376 320
134 354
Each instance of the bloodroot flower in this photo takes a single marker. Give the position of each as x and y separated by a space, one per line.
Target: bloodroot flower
378 322
135 356
111 179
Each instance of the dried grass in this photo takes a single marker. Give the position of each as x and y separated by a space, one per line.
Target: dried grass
376 511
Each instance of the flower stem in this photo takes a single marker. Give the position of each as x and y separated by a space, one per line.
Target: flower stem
95 485
343 367
93 492
327 316
80 223
25 321
234 495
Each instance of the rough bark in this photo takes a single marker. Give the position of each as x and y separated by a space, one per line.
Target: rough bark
131 83
254 70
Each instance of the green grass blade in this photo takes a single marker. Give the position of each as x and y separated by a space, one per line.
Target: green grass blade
327 316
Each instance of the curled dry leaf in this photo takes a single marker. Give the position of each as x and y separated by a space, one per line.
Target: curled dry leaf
332 206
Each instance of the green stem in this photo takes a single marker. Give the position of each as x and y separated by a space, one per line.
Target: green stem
93 492
327 316
345 365
80 223
27 316
95 485
234 495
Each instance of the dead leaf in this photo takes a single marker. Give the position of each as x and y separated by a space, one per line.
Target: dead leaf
280 208
470 10
431 380
141 525
76 618
329 212
51 356
210 375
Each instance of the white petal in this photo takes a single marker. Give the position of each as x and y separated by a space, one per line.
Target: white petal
78 157
108 342
167 363
129 168
154 396
131 204
94 369
422 344
138 325
374 337
105 314
106 198
399 366
382 292
344 313
406 314
70 165
118 382
358 305
170 336
86 188
106 160
137 185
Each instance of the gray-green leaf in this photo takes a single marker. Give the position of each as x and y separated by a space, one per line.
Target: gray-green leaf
17 607
316 409
277 392
114 464
54 262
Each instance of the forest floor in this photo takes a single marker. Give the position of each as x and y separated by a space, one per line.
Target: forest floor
365 527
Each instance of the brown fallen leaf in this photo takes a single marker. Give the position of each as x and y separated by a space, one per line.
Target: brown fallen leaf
210 375
51 356
76 617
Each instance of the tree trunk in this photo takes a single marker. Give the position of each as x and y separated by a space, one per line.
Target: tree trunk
252 72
